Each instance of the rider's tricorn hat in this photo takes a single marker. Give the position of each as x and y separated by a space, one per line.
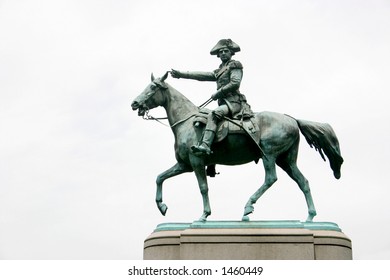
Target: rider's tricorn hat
225 43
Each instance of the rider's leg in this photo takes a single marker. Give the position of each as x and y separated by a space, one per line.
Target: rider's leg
220 112
212 120
208 136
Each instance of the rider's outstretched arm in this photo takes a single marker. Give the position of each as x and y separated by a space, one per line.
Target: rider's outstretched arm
195 75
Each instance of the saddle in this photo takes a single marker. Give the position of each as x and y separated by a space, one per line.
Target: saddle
243 125
227 126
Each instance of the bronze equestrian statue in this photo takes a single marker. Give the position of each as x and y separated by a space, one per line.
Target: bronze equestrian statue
272 137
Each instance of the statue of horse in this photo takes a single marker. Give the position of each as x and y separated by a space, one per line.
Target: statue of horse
278 142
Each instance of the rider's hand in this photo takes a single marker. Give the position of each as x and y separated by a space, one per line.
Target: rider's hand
176 74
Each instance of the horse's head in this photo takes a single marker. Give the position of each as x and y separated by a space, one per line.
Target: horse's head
151 97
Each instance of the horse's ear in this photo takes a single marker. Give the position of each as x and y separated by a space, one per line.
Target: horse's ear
152 77
163 78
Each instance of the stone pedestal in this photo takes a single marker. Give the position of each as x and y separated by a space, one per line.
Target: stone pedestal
255 240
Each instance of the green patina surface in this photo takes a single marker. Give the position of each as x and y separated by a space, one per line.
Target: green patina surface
249 224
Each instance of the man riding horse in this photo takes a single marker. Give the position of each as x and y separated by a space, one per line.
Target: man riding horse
278 138
231 102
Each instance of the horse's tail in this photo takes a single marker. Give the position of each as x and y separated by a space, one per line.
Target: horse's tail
323 138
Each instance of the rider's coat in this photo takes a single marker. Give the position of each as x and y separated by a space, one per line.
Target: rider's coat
228 77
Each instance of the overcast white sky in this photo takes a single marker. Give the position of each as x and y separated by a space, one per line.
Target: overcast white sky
78 167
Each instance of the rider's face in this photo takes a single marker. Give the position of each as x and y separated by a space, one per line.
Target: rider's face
225 54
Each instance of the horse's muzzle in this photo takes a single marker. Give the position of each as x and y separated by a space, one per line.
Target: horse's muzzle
134 105
141 109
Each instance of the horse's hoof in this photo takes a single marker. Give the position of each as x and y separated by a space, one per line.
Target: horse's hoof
245 218
163 208
202 219
310 217
248 210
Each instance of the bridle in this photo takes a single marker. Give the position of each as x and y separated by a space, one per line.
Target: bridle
149 117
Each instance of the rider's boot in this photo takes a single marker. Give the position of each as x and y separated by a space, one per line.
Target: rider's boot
204 147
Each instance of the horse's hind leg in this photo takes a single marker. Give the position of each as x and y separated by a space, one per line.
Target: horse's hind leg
270 179
177 169
305 188
293 171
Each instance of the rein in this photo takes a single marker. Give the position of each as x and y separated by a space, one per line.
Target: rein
148 117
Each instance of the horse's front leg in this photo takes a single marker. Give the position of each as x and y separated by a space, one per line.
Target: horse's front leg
177 169
200 172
